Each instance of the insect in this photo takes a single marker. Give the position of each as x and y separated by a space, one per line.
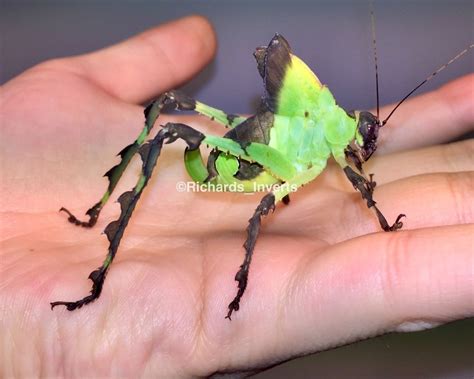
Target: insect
285 144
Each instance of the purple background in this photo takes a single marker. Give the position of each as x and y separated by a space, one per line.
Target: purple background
413 37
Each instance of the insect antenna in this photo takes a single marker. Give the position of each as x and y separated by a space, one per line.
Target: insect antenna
459 55
374 48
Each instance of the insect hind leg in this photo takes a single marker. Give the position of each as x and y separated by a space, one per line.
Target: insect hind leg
149 153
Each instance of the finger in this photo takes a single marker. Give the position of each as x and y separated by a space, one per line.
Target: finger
402 281
426 200
453 157
151 62
432 118
367 286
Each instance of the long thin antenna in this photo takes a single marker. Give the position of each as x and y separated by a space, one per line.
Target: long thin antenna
427 79
374 47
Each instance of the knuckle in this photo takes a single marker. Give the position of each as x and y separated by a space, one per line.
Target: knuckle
397 257
458 156
460 187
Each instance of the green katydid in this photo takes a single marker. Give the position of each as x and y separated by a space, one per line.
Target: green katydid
286 144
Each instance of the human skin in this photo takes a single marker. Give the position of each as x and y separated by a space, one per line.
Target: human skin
323 273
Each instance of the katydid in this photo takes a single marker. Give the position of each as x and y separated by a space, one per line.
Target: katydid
286 144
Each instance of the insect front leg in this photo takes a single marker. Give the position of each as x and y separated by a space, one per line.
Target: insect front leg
353 156
366 188
364 185
149 153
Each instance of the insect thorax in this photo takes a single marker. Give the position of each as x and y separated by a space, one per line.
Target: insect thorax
308 137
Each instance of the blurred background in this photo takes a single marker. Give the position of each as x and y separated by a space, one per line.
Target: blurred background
332 37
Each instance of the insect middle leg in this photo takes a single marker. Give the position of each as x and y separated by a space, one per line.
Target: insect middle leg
267 203
171 100
253 229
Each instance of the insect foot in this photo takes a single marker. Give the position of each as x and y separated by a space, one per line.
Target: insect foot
397 224
266 204
93 214
97 277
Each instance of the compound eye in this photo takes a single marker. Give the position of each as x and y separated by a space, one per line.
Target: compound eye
370 130
366 130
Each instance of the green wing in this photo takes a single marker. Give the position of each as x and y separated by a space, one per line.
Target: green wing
292 89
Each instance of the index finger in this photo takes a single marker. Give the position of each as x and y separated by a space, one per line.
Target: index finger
432 118
151 62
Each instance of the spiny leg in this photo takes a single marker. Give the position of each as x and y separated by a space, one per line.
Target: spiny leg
363 184
227 119
366 188
253 229
149 153
168 101
151 112
268 203
352 155
114 231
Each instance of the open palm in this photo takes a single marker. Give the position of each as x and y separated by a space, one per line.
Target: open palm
323 274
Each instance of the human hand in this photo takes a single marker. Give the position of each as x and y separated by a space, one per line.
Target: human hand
322 274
